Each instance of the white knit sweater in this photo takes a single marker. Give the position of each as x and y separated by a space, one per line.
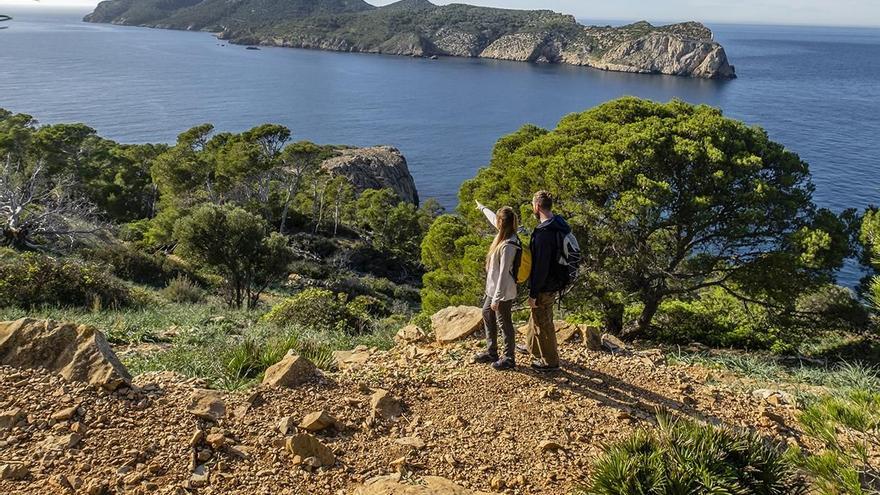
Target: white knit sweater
500 284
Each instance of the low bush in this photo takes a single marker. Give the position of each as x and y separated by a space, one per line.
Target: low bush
367 307
29 280
129 263
316 308
716 319
310 269
832 307
183 290
231 360
318 246
422 320
683 457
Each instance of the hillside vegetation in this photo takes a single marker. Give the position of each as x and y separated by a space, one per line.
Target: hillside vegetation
420 28
315 307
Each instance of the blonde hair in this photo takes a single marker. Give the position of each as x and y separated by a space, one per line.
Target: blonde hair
506 224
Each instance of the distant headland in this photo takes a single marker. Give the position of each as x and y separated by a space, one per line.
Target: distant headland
421 29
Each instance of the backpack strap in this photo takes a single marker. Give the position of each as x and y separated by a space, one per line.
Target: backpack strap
517 259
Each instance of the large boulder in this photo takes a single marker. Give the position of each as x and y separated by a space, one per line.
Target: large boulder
76 352
430 485
291 371
456 322
379 167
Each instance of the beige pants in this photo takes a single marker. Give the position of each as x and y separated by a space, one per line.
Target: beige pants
541 337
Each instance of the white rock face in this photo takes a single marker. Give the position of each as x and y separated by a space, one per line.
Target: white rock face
378 167
664 53
456 43
524 47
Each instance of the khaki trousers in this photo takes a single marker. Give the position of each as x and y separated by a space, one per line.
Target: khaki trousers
541 337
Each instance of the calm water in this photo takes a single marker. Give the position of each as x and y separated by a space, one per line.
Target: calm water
817 90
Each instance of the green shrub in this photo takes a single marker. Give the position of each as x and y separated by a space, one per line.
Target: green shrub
683 457
422 320
28 280
129 263
716 319
319 246
225 359
832 307
381 288
456 258
368 307
316 308
310 269
182 290
144 297
236 245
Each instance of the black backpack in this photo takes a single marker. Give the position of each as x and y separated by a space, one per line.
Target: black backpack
569 259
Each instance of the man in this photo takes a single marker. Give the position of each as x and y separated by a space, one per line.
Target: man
547 278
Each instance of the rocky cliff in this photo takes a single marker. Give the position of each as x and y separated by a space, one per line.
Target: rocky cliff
422 29
378 167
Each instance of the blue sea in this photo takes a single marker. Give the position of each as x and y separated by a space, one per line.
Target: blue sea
814 89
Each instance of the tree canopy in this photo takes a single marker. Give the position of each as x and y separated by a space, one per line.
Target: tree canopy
667 199
236 245
57 182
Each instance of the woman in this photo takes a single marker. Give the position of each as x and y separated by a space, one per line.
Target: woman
500 290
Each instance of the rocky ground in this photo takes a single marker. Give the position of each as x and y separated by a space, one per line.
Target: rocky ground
417 411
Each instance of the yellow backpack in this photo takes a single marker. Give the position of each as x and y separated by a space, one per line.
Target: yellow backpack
522 262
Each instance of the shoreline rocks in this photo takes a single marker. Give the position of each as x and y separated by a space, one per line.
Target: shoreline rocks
430 31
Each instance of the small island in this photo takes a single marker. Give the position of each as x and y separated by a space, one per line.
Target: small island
421 29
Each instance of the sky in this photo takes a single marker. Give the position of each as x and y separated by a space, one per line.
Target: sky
809 12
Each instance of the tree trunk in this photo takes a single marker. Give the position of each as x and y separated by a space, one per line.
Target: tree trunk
613 317
283 228
320 217
643 324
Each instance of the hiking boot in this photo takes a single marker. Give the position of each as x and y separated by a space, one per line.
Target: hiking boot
485 358
522 349
504 364
542 367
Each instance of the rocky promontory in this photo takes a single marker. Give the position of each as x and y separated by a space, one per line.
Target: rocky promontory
421 29
377 167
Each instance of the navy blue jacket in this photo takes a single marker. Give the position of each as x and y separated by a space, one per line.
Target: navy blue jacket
547 274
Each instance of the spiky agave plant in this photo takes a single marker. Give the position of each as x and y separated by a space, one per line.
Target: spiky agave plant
683 457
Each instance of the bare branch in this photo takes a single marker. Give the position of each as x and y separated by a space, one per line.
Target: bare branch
37 213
